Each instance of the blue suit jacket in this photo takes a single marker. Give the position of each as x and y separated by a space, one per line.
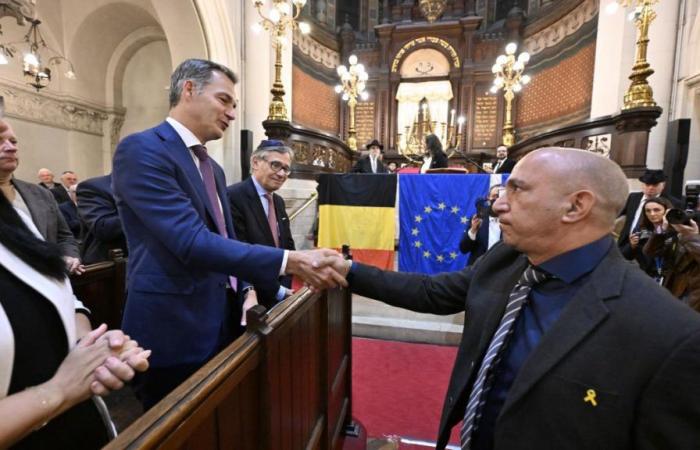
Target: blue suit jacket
178 264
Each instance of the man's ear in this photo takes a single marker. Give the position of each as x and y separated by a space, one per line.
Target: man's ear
580 205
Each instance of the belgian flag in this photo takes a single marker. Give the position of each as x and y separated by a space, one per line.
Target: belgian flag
359 210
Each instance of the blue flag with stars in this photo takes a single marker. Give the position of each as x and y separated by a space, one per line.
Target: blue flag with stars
434 212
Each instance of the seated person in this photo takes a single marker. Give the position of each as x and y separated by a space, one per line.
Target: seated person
70 213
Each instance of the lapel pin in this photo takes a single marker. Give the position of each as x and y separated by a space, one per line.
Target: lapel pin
590 397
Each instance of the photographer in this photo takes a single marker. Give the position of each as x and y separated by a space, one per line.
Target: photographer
477 239
652 219
675 246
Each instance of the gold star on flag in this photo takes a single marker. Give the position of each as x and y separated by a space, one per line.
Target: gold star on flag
440 258
428 209
441 206
419 219
454 210
463 219
414 231
426 254
453 255
417 244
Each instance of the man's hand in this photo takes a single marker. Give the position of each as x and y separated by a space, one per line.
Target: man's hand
686 230
74 265
476 223
251 299
315 267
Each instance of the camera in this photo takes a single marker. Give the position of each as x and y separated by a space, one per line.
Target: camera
644 234
483 207
677 216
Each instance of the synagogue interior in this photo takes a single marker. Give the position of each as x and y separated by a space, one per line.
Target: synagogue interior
385 130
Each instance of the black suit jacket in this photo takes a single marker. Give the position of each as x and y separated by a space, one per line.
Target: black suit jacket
98 211
477 246
250 223
621 335
70 213
439 161
507 166
364 165
60 194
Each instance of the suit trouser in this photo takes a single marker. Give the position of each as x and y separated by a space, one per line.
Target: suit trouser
153 385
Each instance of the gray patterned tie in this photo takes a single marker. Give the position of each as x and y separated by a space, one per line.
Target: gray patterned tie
477 397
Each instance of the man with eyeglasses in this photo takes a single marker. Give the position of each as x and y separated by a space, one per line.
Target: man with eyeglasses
260 216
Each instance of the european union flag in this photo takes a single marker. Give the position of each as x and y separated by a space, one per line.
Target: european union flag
434 212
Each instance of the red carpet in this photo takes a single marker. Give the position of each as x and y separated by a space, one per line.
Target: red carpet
399 388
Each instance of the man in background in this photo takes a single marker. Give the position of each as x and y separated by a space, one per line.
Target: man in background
484 230
46 178
371 163
503 163
60 191
259 214
653 184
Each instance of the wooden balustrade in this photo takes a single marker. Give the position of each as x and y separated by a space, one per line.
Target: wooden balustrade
284 384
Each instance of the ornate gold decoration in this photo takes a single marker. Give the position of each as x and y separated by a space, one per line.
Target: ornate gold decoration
640 93
280 17
422 40
448 132
432 9
353 81
510 78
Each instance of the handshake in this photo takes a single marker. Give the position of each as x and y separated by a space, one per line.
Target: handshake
320 269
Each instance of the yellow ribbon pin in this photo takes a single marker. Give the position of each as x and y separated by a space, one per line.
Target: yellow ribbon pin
590 397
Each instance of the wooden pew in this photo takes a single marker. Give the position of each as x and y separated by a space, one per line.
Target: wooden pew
102 289
284 384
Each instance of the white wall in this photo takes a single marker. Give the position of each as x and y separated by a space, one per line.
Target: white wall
145 88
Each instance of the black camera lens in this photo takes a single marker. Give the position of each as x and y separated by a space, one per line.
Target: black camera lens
677 216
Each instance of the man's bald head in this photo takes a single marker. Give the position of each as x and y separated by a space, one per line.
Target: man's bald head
575 170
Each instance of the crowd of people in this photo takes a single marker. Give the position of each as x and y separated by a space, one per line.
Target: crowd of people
565 342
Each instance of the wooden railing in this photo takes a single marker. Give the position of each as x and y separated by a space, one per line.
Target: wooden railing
102 289
314 151
623 137
284 384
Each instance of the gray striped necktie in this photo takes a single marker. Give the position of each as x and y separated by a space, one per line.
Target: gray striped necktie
477 397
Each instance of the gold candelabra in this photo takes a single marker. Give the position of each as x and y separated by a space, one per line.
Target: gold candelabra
414 135
640 94
279 19
353 81
509 77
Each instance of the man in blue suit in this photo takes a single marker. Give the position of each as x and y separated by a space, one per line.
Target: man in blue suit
186 270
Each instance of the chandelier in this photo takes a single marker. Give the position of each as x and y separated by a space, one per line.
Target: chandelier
36 67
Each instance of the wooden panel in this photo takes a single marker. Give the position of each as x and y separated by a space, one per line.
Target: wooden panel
277 387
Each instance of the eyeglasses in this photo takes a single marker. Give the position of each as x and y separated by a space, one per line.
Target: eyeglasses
277 166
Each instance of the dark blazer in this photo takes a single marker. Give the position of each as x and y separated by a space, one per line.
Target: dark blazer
70 213
439 161
609 338
477 246
44 185
98 211
46 216
507 166
633 201
364 165
178 265
60 194
250 223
